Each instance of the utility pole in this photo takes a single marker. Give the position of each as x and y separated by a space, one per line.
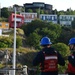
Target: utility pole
14 51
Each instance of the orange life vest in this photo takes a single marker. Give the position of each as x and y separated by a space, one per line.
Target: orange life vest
50 63
70 67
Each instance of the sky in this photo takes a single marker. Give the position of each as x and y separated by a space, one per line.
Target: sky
57 4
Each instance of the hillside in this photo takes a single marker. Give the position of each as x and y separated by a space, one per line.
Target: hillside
19 33
24 56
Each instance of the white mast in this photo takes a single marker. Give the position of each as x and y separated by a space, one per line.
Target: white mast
14 51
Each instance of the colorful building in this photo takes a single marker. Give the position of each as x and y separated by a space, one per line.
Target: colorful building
4 25
65 20
49 18
28 17
19 20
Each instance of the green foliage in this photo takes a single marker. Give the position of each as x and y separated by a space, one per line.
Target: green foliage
4 12
23 9
61 13
5 42
1 65
30 10
20 31
67 12
70 12
3 45
33 40
3 19
62 48
18 42
65 35
41 11
64 51
41 28
38 11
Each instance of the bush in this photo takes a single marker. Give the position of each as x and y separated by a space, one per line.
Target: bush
18 42
5 42
64 51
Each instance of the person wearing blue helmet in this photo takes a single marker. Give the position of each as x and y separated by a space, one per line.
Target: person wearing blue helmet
71 57
48 58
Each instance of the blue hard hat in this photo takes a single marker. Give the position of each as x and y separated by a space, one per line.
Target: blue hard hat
45 41
72 41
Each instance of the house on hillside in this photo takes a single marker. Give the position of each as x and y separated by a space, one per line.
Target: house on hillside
28 17
65 20
19 20
49 18
38 5
4 25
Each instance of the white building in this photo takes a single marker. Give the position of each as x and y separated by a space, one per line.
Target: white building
28 17
49 18
65 20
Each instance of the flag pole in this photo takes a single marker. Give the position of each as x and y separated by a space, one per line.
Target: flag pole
14 51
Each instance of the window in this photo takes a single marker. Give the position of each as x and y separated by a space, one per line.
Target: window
55 17
52 17
46 18
32 16
6 25
38 5
43 18
61 18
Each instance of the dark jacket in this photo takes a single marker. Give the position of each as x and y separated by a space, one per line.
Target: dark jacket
40 58
71 60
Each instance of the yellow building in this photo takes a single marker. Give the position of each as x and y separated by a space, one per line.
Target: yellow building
4 25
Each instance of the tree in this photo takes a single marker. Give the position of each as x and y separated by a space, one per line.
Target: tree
42 28
18 42
61 13
15 5
23 9
4 12
62 48
33 40
54 11
30 10
38 11
70 12
41 11
3 19
66 34
64 51
5 42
